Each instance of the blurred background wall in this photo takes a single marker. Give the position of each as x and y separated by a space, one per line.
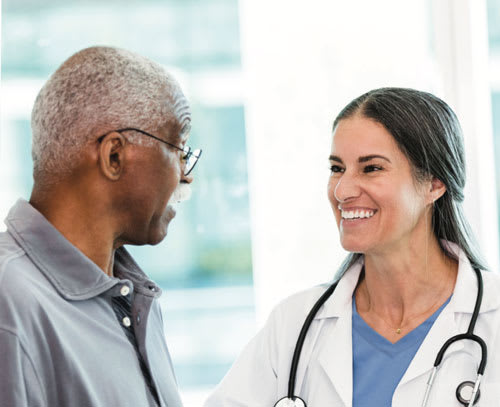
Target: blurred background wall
265 80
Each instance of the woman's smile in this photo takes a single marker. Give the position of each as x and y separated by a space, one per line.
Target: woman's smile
355 217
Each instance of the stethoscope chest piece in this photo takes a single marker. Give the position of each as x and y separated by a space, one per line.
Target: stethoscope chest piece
290 402
464 393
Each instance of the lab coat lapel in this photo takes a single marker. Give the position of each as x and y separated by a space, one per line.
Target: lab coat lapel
335 356
425 357
334 353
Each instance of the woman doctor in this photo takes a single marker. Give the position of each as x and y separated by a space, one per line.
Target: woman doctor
408 284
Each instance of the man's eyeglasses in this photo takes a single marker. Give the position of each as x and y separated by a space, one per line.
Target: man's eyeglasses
190 157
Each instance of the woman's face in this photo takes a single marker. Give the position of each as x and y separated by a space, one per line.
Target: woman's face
376 201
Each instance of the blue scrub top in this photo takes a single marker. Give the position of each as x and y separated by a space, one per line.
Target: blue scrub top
379 365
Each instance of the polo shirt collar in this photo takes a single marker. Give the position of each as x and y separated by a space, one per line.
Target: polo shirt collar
73 274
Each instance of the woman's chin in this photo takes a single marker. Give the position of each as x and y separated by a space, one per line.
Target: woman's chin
354 245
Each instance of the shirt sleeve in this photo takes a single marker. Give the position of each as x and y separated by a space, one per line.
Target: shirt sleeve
19 385
252 380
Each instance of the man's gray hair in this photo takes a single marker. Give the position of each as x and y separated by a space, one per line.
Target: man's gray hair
95 91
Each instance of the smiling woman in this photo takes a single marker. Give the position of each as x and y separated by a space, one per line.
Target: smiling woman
410 282
371 190
424 137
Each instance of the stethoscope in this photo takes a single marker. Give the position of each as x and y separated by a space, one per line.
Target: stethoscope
467 392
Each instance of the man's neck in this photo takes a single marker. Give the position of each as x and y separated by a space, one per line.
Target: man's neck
81 223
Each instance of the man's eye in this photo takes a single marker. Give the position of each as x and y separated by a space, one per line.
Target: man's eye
371 168
336 168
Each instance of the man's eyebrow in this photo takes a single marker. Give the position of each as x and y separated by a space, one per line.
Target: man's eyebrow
360 159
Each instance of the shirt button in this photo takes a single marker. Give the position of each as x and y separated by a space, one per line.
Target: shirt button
138 319
126 322
124 290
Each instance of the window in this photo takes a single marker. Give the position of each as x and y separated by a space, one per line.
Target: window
494 42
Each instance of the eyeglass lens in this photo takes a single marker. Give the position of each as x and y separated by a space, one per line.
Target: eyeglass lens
191 161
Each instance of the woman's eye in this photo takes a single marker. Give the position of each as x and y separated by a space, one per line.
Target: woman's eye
336 168
371 168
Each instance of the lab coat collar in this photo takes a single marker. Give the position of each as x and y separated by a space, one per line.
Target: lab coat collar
341 299
465 292
463 298
462 301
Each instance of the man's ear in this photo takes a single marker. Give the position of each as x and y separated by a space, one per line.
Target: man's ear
437 189
112 155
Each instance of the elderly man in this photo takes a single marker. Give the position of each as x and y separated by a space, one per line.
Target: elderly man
80 323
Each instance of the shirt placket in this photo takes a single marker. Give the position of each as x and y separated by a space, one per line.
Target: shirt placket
122 305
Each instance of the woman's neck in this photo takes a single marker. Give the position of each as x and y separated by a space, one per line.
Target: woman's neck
402 289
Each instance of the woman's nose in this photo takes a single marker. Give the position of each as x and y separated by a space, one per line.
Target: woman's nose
346 189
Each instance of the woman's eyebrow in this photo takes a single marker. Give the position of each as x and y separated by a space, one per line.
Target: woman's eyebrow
371 157
360 159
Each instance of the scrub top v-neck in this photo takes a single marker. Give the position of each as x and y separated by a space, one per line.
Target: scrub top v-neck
378 364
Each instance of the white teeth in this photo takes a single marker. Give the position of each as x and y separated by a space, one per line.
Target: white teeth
357 214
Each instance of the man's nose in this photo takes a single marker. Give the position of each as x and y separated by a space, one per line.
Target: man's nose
187 179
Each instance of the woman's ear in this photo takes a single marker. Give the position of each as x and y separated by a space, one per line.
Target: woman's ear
437 190
112 155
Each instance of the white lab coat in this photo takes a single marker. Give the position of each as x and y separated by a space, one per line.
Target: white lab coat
260 375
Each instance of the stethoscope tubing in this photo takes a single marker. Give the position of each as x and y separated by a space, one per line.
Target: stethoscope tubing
302 337
469 335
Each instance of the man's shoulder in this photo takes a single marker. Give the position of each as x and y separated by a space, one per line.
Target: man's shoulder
9 250
18 274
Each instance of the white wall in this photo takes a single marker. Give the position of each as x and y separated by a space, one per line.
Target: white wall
303 61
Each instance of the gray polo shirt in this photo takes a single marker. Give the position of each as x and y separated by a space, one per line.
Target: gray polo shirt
61 343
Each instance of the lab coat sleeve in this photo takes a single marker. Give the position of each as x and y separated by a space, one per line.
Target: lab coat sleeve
252 380
19 385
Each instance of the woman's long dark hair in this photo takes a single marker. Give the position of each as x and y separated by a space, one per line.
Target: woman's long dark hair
428 133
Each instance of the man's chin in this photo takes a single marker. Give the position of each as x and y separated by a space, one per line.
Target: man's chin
170 212
154 232
161 231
